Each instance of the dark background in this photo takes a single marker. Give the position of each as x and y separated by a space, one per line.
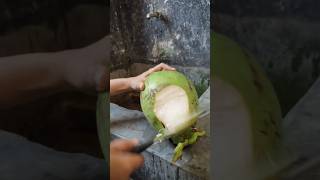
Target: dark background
65 121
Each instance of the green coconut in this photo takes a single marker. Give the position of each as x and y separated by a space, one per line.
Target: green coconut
102 115
168 98
247 114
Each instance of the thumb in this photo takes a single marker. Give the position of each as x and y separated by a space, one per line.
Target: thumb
123 145
141 86
134 161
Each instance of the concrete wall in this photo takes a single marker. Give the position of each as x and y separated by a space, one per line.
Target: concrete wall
180 36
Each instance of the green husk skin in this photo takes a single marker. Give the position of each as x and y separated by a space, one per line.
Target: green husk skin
102 114
188 141
153 84
235 66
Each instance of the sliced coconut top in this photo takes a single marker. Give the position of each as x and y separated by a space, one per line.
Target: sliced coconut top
172 107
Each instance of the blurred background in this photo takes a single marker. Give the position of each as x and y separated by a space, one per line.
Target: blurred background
66 121
282 35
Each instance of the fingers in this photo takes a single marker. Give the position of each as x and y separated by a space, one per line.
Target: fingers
159 67
141 86
163 66
134 161
123 145
123 163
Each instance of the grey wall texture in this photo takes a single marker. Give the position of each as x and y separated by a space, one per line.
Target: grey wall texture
179 34
170 31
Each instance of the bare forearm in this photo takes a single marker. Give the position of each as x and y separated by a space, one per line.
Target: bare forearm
28 76
118 86
25 77
124 85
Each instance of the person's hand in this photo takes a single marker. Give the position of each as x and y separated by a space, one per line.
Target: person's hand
123 162
137 83
86 68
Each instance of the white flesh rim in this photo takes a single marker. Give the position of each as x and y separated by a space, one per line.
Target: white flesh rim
232 142
172 107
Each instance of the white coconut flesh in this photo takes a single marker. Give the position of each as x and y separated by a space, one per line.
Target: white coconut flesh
232 137
172 108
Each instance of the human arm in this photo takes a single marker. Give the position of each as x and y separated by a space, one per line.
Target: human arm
122 161
29 76
123 85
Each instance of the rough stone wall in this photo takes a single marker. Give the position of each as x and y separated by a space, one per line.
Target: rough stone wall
178 34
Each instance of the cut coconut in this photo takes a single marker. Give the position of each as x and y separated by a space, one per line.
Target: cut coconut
170 103
232 132
247 115
172 107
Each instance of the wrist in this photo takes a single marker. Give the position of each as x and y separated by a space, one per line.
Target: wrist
82 72
55 67
70 68
129 83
